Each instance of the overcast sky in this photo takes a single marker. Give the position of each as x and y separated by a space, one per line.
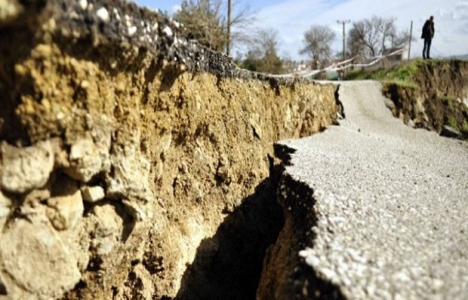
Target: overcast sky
291 18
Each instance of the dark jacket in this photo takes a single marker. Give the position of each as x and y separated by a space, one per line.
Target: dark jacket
428 30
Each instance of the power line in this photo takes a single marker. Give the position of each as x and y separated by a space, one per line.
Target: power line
344 22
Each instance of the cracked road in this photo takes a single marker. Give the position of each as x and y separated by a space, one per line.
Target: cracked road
391 203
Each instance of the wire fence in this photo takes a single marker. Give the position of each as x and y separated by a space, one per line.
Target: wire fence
338 66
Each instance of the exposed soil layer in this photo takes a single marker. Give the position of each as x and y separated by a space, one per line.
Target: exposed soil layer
135 164
439 97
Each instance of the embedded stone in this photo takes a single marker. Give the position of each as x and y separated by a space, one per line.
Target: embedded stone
86 159
66 208
9 10
5 208
24 169
109 227
31 253
257 130
103 14
92 194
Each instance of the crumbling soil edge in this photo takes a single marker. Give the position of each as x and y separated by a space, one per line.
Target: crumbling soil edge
341 111
285 274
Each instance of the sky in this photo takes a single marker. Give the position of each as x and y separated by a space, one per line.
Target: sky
291 18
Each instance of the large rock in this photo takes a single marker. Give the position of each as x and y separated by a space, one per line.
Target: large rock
35 264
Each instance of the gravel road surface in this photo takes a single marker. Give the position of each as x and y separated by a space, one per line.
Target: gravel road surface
392 203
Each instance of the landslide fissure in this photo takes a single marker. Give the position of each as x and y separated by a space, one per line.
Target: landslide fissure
124 174
229 264
285 274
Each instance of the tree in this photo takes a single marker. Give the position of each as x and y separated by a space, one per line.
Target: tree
263 52
206 21
317 43
372 37
355 46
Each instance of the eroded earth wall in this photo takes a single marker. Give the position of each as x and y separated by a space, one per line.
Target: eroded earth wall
438 99
130 157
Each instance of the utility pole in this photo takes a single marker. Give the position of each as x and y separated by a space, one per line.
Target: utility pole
410 38
343 22
228 46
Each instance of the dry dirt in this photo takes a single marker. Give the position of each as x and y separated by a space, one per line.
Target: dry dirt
124 177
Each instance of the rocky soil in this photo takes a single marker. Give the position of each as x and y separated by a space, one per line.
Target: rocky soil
135 164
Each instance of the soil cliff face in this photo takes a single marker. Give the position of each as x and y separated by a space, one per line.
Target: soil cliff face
438 98
135 164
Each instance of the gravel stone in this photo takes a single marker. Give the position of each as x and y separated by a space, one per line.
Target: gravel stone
92 194
103 14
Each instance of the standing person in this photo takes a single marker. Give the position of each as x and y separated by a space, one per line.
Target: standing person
427 35
340 75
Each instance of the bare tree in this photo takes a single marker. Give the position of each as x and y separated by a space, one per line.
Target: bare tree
387 30
372 37
263 52
401 39
206 21
356 47
317 43
241 24
366 33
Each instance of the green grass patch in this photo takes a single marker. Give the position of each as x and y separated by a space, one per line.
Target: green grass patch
402 83
400 74
464 127
452 123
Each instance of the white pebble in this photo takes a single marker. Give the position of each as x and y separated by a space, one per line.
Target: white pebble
128 21
167 31
306 252
313 261
132 30
83 4
92 194
103 14
116 13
